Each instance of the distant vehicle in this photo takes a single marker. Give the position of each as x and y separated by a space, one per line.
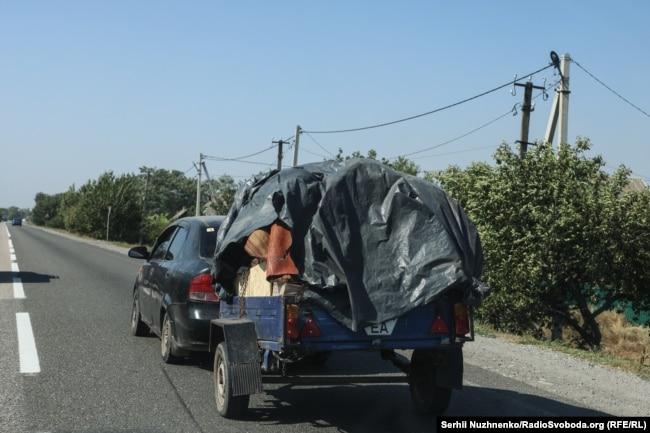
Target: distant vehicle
17 222
174 296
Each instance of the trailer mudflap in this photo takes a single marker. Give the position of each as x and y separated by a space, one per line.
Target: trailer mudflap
241 343
449 367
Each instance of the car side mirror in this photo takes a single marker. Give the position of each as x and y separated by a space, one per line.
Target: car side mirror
139 252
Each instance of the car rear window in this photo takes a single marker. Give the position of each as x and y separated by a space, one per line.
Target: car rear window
208 241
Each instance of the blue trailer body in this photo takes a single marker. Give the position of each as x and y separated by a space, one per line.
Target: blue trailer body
266 334
410 331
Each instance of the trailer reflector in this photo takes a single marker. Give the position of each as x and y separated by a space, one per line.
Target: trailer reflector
461 320
310 329
439 326
291 330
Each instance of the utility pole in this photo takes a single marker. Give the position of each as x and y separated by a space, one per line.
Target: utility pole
144 204
198 185
526 108
280 154
560 107
296 144
563 115
108 221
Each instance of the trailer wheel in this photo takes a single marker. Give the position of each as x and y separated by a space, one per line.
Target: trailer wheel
228 405
428 398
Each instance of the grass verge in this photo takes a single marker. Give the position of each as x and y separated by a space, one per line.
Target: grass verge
637 364
90 238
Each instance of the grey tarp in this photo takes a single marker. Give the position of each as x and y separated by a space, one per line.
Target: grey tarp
372 243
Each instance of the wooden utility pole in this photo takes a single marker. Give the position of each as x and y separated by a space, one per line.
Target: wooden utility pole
526 108
280 154
280 144
296 144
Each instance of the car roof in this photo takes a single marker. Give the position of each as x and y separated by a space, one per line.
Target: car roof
209 220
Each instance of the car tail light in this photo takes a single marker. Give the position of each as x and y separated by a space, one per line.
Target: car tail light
461 320
291 330
439 326
310 329
201 289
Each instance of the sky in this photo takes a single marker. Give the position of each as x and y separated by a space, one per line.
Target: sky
87 87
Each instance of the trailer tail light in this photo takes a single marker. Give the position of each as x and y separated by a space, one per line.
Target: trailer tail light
439 326
201 289
291 330
461 320
310 329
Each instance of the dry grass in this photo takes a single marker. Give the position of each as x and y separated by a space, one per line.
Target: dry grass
623 346
623 339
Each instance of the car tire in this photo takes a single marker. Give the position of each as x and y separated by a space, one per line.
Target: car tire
167 351
427 397
228 405
138 328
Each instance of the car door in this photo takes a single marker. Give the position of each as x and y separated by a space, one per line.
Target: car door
165 292
153 276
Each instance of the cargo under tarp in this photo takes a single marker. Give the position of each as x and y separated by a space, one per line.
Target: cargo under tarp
370 243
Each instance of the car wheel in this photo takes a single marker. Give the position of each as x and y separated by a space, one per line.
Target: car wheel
428 398
166 341
228 405
138 327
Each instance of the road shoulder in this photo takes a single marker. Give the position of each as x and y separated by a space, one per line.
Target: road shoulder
563 375
89 241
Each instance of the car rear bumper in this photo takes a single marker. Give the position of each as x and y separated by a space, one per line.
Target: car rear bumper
191 323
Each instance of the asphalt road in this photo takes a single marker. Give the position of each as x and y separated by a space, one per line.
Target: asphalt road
94 377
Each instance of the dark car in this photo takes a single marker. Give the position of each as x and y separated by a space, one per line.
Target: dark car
17 222
174 296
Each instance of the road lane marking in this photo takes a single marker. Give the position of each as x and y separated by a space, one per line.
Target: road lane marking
19 292
14 267
11 244
12 257
27 345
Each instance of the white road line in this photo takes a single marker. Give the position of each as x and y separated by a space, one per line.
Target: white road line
12 257
26 345
14 267
11 244
19 292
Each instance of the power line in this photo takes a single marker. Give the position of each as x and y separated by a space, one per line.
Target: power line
314 153
216 158
611 90
266 149
436 110
512 111
316 141
455 152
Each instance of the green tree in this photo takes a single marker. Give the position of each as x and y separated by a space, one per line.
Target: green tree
219 194
46 211
167 191
88 215
401 163
558 232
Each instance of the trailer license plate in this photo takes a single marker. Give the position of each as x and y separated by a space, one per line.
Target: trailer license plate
384 328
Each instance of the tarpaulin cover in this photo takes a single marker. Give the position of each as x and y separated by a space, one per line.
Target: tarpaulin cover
372 243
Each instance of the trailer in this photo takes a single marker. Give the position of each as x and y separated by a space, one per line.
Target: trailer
257 339
343 256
